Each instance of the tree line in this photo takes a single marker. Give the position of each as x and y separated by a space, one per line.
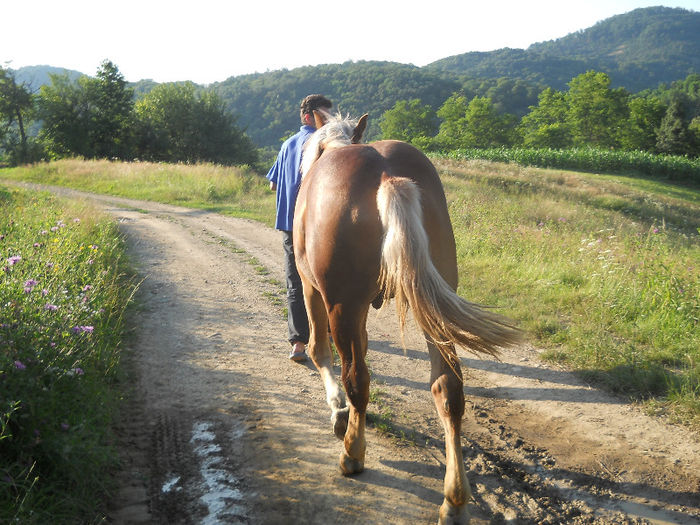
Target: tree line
590 113
100 118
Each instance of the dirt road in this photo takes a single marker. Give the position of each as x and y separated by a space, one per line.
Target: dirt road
223 428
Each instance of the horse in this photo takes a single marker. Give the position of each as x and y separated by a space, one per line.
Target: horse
371 224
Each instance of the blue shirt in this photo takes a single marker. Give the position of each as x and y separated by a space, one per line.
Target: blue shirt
286 174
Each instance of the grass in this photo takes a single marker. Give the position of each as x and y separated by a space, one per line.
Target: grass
601 270
228 190
63 293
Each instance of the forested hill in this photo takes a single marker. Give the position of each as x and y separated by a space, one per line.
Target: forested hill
638 50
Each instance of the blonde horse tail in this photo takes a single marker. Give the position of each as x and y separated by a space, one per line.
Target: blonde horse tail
409 275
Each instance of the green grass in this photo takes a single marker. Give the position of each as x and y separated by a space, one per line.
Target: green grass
601 272
228 190
62 298
672 167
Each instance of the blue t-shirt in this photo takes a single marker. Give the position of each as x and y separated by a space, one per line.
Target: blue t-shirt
286 174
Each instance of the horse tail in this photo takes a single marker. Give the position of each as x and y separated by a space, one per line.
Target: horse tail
409 275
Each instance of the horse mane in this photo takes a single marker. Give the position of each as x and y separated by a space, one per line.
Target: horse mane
335 133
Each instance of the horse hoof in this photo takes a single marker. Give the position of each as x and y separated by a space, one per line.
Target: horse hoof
339 420
451 515
349 465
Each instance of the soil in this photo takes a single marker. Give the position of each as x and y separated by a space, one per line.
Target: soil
222 428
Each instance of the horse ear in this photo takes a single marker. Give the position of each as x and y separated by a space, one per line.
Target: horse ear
359 129
319 119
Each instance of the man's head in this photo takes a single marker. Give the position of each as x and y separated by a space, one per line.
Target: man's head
313 103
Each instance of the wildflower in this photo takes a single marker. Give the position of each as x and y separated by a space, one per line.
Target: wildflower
94 247
19 365
43 232
31 283
90 261
49 265
44 292
51 307
1 236
655 230
87 287
80 329
76 220
14 260
77 371
54 228
65 426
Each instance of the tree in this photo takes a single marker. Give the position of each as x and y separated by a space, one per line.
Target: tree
111 111
410 121
478 125
673 137
645 114
177 123
546 125
91 117
16 103
452 113
596 113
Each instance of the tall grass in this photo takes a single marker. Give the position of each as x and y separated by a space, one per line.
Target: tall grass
62 299
673 167
603 276
231 190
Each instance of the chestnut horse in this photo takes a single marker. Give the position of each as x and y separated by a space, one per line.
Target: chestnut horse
371 224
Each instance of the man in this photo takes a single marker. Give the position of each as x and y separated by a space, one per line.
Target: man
285 178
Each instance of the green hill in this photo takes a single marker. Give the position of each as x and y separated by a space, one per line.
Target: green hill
638 50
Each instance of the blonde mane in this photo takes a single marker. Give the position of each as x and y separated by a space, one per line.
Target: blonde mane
335 133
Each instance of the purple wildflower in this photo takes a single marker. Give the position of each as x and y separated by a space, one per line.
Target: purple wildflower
44 292
14 260
19 365
43 232
87 287
655 230
2 236
54 228
77 371
80 329
51 307
65 426
31 283
90 261
76 220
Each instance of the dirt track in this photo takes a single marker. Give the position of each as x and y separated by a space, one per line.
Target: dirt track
222 428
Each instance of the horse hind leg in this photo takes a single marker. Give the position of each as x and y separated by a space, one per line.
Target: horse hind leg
448 394
350 337
319 350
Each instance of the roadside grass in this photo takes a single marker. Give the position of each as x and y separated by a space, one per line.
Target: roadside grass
601 272
63 294
237 191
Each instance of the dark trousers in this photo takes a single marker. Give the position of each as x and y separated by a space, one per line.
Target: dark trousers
297 320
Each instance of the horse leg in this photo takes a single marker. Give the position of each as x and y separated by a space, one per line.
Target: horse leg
350 336
448 395
319 349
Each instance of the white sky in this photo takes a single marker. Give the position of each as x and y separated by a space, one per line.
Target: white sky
207 40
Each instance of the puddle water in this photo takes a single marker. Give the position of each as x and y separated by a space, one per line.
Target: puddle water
222 498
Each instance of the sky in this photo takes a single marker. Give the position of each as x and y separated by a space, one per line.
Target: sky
209 41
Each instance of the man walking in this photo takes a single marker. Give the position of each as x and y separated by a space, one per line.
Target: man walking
285 178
